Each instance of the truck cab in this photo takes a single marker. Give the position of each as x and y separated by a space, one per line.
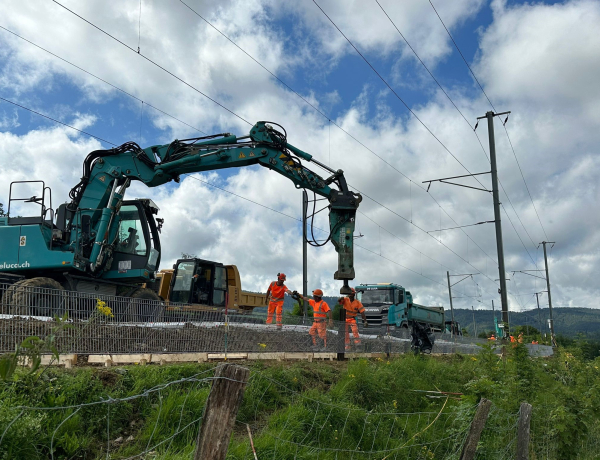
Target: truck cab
389 304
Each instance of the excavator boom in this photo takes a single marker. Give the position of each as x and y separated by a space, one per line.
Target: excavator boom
97 199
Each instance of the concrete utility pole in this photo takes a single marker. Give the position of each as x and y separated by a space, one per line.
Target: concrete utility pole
474 323
503 293
552 336
304 252
537 298
451 307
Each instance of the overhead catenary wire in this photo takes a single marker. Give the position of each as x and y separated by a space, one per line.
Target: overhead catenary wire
492 105
143 102
154 63
101 79
224 189
224 107
330 121
395 93
56 121
460 112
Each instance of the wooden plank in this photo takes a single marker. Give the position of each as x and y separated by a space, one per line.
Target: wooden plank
329 356
63 360
220 412
119 359
481 415
266 356
298 355
524 432
227 355
180 357
359 355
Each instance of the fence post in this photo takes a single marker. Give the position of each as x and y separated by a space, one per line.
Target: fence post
481 415
524 432
220 412
341 345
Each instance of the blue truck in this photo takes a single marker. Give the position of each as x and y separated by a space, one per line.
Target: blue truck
391 306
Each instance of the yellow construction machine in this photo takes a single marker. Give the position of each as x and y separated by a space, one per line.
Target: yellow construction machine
195 285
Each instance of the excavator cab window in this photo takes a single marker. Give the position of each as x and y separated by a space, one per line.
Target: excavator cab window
130 238
220 286
184 276
202 284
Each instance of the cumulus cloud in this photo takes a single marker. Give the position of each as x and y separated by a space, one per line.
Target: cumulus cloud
539 72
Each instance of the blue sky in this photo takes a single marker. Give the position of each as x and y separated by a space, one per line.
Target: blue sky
524 67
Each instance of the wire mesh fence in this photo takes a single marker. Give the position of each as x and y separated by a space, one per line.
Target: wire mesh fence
100 323
276 420
171 414
310 426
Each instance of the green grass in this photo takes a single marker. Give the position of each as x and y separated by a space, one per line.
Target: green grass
312 410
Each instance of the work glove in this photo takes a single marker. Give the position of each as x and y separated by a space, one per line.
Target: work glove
365 323
340 300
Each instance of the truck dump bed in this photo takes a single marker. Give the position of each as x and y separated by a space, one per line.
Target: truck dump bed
430 315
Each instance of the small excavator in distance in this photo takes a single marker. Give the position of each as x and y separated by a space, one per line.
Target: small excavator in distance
101 243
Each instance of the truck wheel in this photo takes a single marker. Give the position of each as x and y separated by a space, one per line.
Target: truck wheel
145 306
39 297
8 295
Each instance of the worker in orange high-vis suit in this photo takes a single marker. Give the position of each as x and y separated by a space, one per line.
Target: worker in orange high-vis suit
275 295
353 307
321 313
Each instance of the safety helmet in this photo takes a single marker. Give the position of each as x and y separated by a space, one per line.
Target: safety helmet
318 293
281 276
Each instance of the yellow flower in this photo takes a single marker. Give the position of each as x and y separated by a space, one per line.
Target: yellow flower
395 404
262 345
352 375
388 363
473 358
104 309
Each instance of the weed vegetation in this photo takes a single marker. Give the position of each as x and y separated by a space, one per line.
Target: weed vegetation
362 409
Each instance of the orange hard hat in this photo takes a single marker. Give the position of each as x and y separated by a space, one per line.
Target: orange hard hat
280 276
318 293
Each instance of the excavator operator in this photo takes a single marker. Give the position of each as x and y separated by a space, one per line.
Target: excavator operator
352 307
275 295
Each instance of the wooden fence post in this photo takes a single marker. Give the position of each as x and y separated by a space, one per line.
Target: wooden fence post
481 415
220 412
524 432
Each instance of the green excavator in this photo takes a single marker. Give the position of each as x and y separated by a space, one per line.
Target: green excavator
99 242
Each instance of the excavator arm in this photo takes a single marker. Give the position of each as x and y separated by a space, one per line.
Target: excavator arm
108 173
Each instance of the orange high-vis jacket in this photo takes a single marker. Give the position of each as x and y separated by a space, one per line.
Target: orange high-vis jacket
277 292
352 308
320 309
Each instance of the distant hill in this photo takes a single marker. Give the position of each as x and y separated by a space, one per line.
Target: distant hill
567 321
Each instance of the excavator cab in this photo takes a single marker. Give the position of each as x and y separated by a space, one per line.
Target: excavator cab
199 281
137 245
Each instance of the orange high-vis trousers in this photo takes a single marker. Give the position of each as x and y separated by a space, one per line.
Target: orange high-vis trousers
320 328
351 324
275 307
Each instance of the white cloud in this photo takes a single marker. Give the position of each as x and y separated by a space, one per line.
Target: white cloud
554 128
